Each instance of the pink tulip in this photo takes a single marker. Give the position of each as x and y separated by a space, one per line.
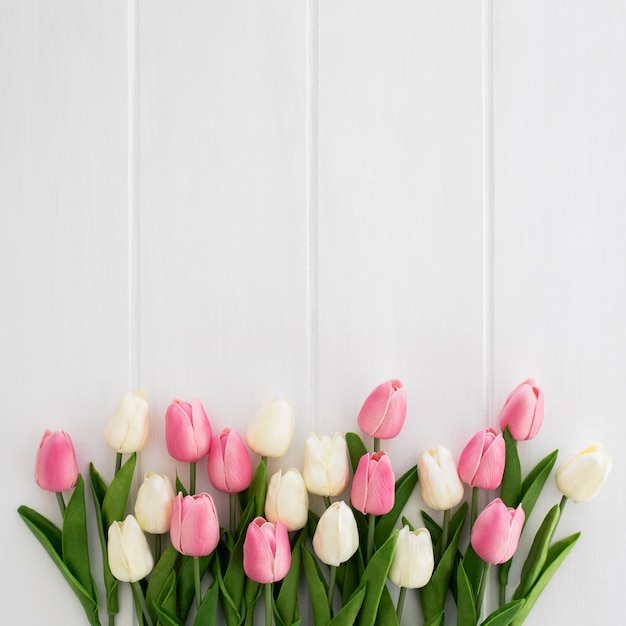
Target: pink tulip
496 532
523 411
187 431
194 529
55 466
384 410
266 551
481 463
373 484
229 466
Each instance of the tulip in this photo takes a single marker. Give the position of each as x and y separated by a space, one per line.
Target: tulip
287 499
326 470
413 560
130 558
153 505
194 529
126 430
266 551
270 431
373 484
56 468
440 485
581 477
187 431
384 411
336 536
523 411
229 466
496 532
481 463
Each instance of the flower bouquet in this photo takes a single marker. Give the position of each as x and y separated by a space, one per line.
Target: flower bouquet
356 550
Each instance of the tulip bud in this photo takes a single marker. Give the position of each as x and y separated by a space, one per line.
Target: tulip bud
413 560
496 532
373 485
580 477
187 431
126 430
270 432
384 411
194 529
129 554
523 411
326 471
55 464
481 463
287 499
266 551
153 505
229 466
439 481
336 537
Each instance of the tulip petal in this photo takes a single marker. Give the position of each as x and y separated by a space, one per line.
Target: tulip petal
380 488
257 555
491 468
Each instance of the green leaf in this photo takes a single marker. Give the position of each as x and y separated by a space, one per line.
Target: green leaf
167 597
511 487
556 556
435 620
356 449
166 618
466 601
405 522
504 615
433 528
251 593
257 490
533 565
349 575
348 613
474 567
287 598
318 588
387 614
229 606
160 578
207 613
535 481
180 487
114 503
403 490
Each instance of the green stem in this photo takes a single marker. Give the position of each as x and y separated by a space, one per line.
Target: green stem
142 602
376 444
331 587
232 499
268 604
118 462
157 548
444 533
112 619
192 479
502 594
401 603
196 581
371 527
482 588
327 501
562 504
61 502
474 506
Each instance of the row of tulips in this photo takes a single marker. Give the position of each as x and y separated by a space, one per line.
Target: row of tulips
347 554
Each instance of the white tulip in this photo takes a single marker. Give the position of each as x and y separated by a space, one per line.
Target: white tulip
287 500
439 480
130 558
126 429
336 537
153 505
580 477
270 431
413 560
326 470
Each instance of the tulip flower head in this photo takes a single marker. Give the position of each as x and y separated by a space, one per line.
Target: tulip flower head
384 411
413 560
581 477
326 470
229 465
126 430
481 463
266 551
373 484
194 529
271 430
523 411
336 536
187 431
56 468
287 499
130 558
153 505
439 481
496 532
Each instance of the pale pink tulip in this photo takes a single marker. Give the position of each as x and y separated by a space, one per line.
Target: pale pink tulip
55 465
266 551
496 532
481 463
187 431
523 411
384 411
194 529
229 465
373 484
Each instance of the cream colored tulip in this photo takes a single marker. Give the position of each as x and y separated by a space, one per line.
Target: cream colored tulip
287 500
130 558
153 505
126 429
326 470
581 477
270 431
413 560
439 481
336 537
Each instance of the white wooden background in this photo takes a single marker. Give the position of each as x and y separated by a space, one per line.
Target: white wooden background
235 199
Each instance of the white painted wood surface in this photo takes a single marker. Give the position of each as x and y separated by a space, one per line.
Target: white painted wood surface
231 200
